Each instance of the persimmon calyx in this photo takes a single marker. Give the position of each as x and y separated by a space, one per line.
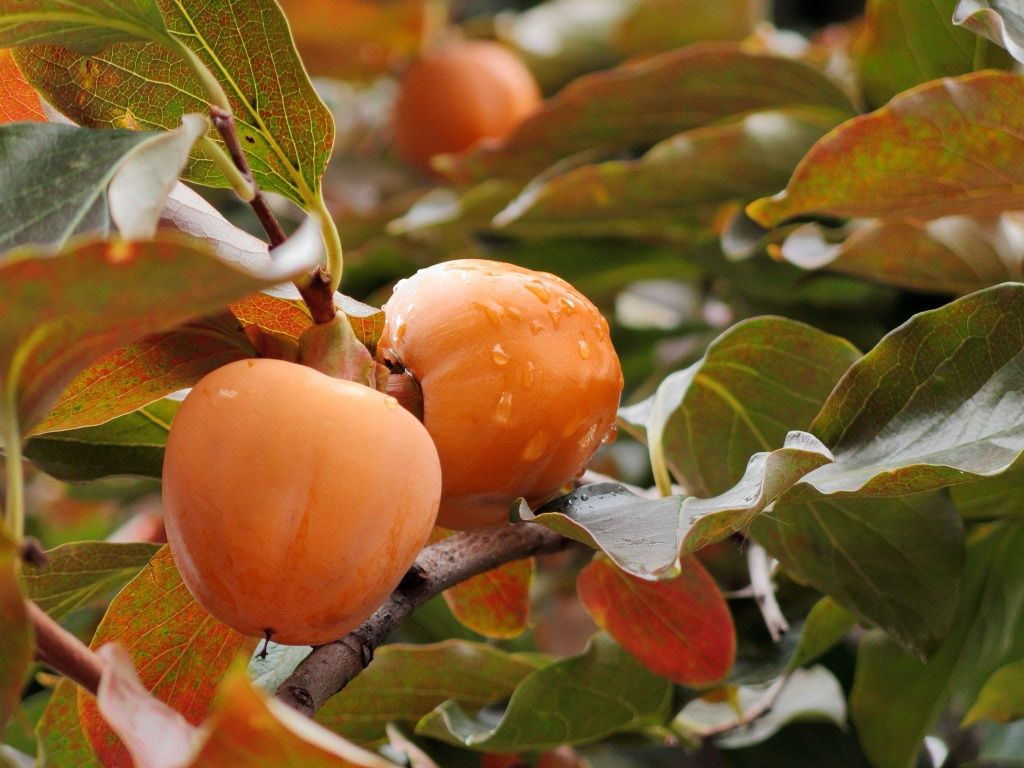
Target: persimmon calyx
334 349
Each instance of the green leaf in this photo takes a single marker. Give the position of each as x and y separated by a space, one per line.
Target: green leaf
825 626
952 255
16 645
894 562
62 742
140 373
988 633
905 44
992 497
80 574
578 700
676 189
948 147
1000 699
285 129
1000 21
68 308
406 682
935 403
85 25
613 110
756 382
54 180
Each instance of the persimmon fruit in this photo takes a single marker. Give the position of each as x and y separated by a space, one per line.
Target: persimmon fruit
519 378
294 501
458 95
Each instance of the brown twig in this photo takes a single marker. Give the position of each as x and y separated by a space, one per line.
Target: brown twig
58 648
329 668
316 292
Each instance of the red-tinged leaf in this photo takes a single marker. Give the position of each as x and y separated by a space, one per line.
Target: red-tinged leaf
15 634
249 730
613 110
948 147
496 603
18 99
286 317
679 629
181 652
65 310
154 734
374 38
135 376
62 742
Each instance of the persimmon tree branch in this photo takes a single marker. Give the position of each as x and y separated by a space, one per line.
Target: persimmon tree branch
329 668
58 648
316 292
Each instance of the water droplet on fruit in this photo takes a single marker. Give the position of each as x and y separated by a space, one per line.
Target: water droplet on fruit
539 290
493 311
610 436
400 329
504 410
584 349
499 355
556 317
567 305
536 326
391 403
514 312
536 447
529 374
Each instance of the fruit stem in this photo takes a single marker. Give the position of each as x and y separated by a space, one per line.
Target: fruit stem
332 241
14 506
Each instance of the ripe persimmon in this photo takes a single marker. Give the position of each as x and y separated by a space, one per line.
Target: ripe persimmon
295 502
459 94
519 377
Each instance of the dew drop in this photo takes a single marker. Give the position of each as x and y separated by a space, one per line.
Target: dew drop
499 355
536 326
584 349
567 305
610 436
391 403
504 410
492 311
556 317
536 447
401 327
539 290
514 312
584 497
529 374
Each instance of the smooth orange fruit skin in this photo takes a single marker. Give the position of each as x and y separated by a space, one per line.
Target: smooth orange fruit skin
295 502
458 95
520 381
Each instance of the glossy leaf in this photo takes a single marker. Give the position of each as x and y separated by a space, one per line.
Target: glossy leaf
16 645
574 701
1000 699
987 634
375 38
677 188
680 629
825 626
1000 21
809 694
59 180
62 742
406 682
951 255
88 292
85 25
655 25
141 373
756 382
902 44
181 652
935 403
894 562
18 100
286 130
612 110
945 148
82 573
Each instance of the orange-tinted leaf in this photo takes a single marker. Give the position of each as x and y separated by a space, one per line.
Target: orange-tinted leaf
679 629
374 37
948 147
18 99
132 377
181 652
15 635
287 317
62 742
496 603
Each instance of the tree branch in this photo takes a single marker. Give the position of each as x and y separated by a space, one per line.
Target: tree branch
329 668
58 648
317 291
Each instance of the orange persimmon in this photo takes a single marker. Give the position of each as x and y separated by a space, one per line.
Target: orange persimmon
519 377
295 502
458 95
